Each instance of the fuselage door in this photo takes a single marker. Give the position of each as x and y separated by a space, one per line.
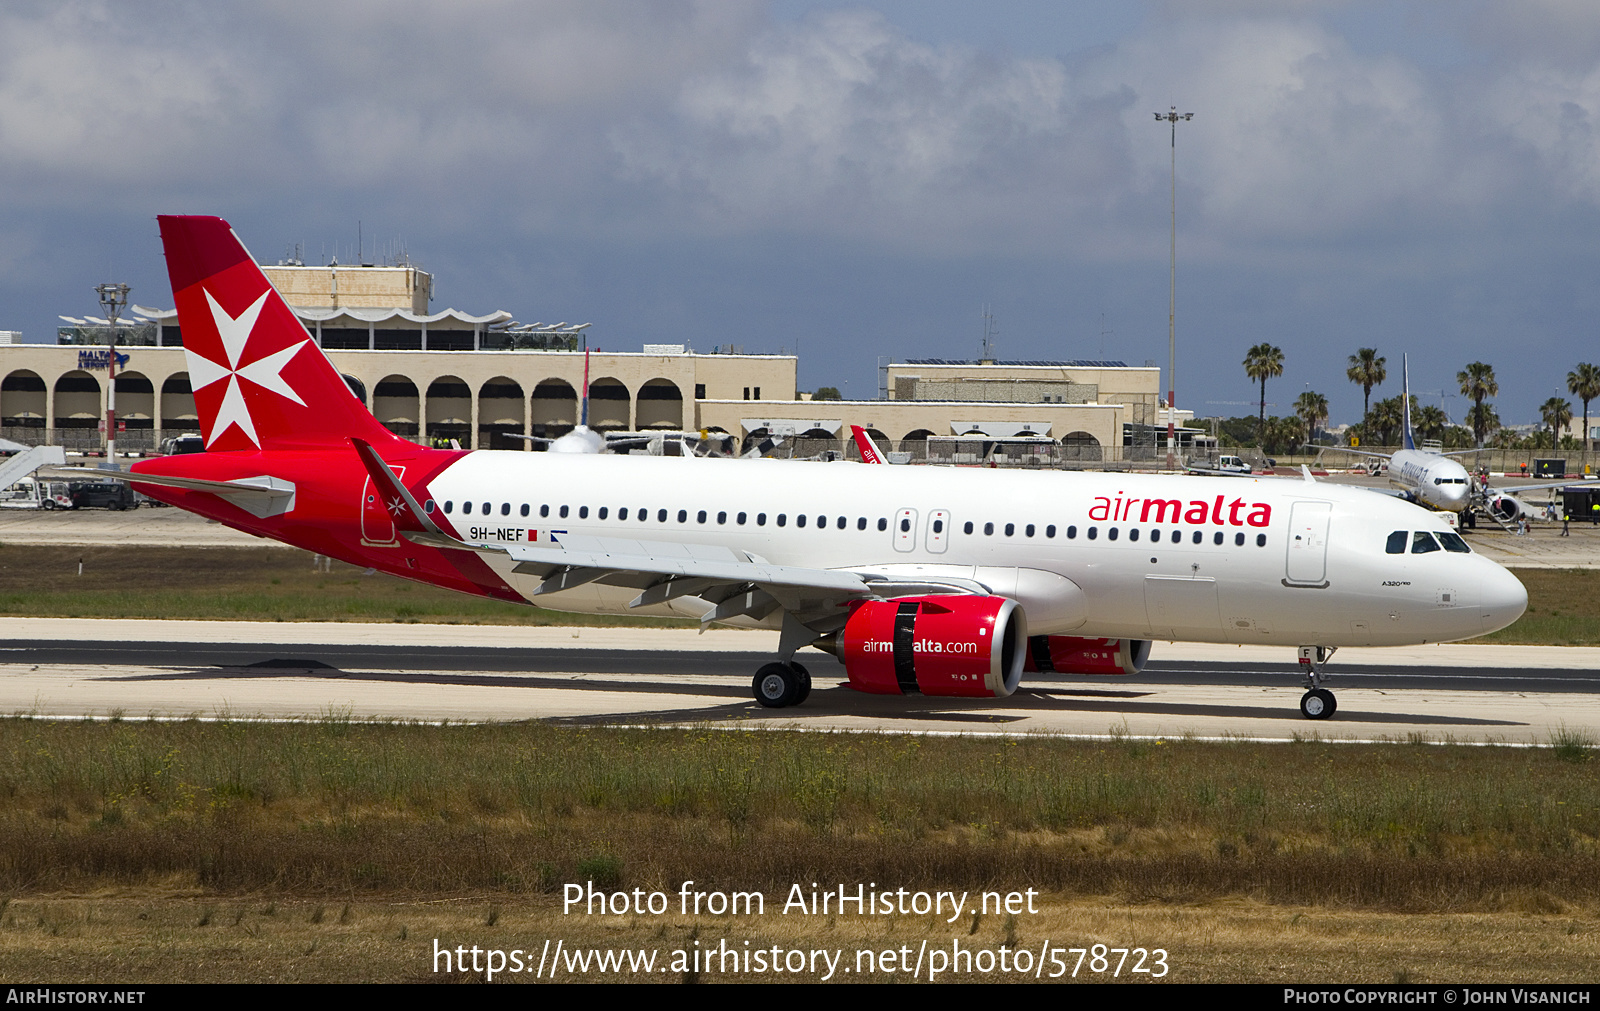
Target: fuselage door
905 530
1307 562
938 531
377 523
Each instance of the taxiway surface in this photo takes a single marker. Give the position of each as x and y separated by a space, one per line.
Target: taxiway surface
138 669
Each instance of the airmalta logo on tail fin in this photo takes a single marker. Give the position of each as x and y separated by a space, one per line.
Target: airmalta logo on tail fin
259 381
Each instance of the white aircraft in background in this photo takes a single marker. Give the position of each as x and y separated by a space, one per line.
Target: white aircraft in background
1424 476
583 439
1435 480
921 580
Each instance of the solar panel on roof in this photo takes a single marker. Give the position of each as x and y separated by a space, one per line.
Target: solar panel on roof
1077 363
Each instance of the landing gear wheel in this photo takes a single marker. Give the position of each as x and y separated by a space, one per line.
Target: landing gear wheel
805 683
777 685
1318 704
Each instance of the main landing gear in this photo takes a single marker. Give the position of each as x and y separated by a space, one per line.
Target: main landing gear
1317 703
782 684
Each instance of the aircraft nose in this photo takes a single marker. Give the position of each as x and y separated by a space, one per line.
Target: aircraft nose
1502 599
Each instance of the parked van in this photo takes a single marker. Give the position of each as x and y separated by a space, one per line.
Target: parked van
30 493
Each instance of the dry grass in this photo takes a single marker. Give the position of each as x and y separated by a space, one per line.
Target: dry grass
259 584
159 935
1563 609
340 809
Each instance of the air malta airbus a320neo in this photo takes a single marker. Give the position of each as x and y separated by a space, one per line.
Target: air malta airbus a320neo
930 580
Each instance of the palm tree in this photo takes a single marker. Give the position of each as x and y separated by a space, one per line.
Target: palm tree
1584 383
1557 413
1429 421
1263 362
1366 371
1384 420
1311 407
1477 381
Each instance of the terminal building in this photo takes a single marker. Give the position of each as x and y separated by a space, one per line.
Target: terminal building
481 379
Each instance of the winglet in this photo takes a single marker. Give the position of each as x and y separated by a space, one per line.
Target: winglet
407 514
869 449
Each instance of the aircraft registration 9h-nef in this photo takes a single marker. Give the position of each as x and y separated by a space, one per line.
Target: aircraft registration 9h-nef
932 580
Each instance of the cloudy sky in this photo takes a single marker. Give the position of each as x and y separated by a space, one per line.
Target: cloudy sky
855 180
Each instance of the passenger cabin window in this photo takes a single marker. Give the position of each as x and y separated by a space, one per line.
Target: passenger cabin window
583 512
966 528
800 520
524 508
563 512
1397 542
622 513
661 515
602 513
505 509
1050 531
1011 528
447 505
466 508
883 524
1422 542
988 530
544 510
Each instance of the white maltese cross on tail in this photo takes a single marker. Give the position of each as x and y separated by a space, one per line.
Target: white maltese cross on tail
265 372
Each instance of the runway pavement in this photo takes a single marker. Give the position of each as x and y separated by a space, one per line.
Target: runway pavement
137 669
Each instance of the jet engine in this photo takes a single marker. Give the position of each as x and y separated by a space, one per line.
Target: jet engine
1069 654
1506 508
942 645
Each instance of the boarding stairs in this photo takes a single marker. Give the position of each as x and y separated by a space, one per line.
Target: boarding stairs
29 460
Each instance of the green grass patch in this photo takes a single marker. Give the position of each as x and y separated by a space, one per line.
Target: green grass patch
1563 609
260 584
341 809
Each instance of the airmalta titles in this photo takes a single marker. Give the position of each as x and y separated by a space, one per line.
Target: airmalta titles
1218 513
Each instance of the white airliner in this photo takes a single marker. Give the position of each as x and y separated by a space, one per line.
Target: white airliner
1426 477
932 580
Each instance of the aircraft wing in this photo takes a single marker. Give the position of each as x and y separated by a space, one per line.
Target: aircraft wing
1516 489
736 583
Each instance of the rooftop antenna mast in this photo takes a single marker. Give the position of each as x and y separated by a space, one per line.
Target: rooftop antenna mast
990 332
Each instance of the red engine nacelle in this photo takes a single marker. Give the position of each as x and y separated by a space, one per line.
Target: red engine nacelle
1068 654
946 645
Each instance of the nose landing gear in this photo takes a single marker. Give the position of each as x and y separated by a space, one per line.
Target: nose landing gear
1317 703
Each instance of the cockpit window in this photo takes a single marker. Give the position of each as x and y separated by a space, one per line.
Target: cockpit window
1397 542
1422 542
1453 542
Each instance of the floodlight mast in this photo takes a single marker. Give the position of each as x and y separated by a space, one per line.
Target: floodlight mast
112 298
1172 116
